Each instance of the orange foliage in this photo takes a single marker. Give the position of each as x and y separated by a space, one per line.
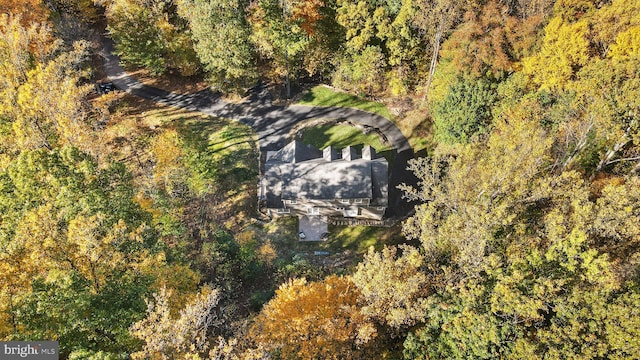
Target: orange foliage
603 180
32 11
491 39
309 12
318 320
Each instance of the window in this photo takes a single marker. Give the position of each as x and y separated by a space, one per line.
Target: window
358 201
351 213
313 211
380 209
344 201
283 211
293 201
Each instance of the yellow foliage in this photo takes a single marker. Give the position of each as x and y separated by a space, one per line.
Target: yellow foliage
267 253
584 35
176 336
38 88
565 48
314 320
169 171
392 286
614 19
627 45
180 278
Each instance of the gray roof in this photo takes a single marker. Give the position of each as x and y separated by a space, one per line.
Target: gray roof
288 176
295 152
379 181
271 186
320 179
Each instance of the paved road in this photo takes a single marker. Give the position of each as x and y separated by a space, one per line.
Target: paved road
272 123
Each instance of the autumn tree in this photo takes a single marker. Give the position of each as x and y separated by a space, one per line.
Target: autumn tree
86 10
362 73
575 60
490 40
169 336
39 92
378 36
92 244
524 259
278 35
435 20
78 254
393 286
314 320
30 11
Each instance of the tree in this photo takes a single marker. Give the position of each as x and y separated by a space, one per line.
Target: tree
39 93
167 336
78 253
29 11
362 73
436 19
279 35
138 41
76 270
314 320
551 68
490 41
326 36
529 261
294 36
464 112
82 9
393 286
575 60
227 57
151 35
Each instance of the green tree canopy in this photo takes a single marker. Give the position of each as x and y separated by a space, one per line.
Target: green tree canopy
220 31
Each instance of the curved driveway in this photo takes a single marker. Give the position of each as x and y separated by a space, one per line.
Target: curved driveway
272 123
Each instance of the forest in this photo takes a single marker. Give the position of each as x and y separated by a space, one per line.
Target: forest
129 230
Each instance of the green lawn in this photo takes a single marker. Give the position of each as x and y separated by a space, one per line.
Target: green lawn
324 96
342 136
356 239
360 238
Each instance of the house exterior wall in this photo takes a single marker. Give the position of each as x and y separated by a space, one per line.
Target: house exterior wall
372 212
329 209
328 203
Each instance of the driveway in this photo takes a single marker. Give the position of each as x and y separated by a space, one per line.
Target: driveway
272 123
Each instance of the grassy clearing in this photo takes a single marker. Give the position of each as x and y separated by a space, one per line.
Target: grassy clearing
220 156
230 144
342 136
359 238
324 96
347 245
417 126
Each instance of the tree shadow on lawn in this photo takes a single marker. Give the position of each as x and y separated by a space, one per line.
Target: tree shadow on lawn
322 96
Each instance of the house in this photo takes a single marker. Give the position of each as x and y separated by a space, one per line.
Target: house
300 180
